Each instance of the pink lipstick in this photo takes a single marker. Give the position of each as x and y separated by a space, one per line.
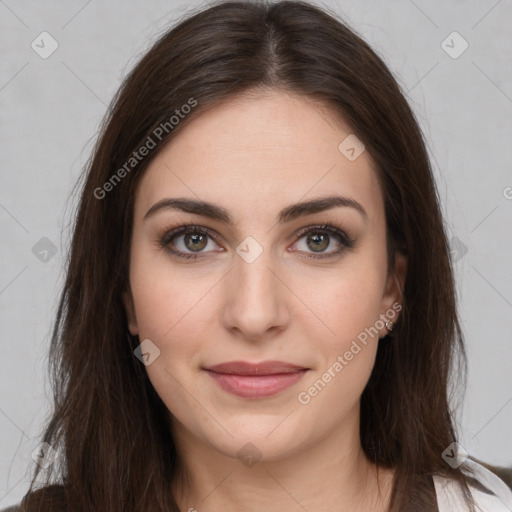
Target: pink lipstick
256 380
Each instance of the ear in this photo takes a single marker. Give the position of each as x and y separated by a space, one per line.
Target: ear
130 312
399 274
394 289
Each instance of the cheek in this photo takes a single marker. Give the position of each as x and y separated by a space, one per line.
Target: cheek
349 307
353 313
346 302
174 309
172 316
346 355
355 306
163 298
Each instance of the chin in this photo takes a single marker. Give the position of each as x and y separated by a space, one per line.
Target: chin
261 440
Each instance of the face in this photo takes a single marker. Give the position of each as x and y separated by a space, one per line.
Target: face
259 281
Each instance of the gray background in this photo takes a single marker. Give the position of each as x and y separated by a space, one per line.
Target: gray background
50 112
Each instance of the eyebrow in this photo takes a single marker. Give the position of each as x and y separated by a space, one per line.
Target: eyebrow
287 214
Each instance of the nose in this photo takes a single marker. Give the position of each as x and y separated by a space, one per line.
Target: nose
255 306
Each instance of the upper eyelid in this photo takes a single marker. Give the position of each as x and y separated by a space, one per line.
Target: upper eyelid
299 233
342 235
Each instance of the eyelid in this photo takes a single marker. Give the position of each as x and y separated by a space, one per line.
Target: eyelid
332 229
329 228
183 229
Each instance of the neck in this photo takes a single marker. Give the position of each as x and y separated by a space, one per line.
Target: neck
332 474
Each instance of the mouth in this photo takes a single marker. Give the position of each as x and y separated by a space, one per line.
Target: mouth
256 380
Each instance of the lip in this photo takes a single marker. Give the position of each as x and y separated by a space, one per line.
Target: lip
261 368
256 380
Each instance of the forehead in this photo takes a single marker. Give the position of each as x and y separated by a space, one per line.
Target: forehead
259 153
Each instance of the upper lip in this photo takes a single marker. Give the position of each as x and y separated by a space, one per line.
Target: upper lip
262 368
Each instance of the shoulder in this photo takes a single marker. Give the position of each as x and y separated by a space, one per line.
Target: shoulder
490 493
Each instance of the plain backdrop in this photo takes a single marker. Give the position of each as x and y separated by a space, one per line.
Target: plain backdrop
50 110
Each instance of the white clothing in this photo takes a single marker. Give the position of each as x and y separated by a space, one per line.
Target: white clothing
449 496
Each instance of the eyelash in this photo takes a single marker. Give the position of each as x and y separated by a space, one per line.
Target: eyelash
345 240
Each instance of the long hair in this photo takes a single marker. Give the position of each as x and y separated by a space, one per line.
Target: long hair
108 424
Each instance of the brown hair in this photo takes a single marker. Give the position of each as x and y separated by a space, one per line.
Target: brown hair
108 422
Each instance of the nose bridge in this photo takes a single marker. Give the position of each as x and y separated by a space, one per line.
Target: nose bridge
255 275
252 271
255 301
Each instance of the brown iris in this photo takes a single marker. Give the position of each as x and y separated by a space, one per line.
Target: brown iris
198 240
320 241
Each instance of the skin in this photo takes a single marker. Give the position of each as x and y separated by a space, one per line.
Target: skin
254 155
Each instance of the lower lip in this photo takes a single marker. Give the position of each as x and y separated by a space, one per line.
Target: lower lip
256 386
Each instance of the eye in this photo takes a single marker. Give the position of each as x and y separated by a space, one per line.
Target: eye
319 238
190 242
187 238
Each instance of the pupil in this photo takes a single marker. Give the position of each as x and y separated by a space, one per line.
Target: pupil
317 240
196 240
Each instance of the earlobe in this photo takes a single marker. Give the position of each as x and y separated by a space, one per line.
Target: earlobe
130 313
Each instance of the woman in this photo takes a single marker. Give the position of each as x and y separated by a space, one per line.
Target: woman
259 310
